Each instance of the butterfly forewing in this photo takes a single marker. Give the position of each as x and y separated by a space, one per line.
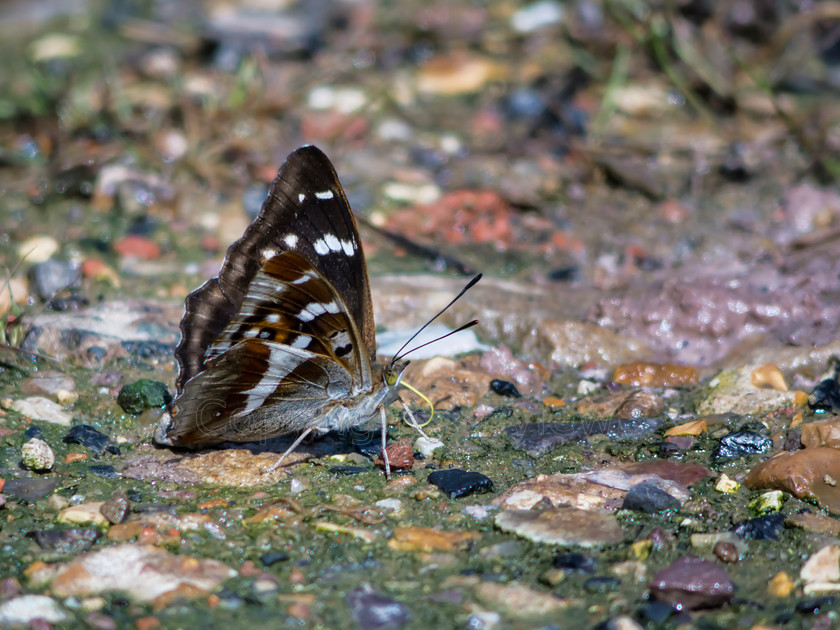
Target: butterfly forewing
306 212
290 303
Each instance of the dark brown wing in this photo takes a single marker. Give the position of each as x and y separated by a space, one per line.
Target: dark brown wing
306 212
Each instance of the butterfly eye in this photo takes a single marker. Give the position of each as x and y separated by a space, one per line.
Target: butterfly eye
390 376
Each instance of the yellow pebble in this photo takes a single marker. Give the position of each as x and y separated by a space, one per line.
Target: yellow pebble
780 585
768 375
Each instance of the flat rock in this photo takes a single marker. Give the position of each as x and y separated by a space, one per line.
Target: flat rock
83 514
373 611
142 572
29 608
806 473
31 488
519 601
594 489
42 409
821 571
460 483
537 438
563 526
692 583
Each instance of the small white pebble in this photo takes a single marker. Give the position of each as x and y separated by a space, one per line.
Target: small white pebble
427 446
37 455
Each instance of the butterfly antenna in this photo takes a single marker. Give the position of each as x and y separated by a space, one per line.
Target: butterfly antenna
400 354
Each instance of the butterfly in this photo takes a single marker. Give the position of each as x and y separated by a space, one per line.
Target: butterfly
282 340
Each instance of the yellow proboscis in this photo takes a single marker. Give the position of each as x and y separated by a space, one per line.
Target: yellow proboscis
427 401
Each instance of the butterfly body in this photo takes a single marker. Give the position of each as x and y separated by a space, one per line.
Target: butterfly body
282 341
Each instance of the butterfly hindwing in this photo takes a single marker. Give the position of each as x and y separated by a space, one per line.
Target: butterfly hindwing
255 391
306 212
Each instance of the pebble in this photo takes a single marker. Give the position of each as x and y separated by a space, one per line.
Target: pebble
69 541
115 509
642 374
817 523
741 443
460 483
640 403
400 455
427 446
373 611
140 572
143 394
537 438
648 498
455 74
601 584
273 558
504 388
37 249
537 15
91 438
780 585
519 601
767 527
768 375
826 397
821 571
573 562
821 433
43 409
37 455
692 583
801 473
726 552
31 488
563 526
54 276
105 471
28 609
83 514
429 539
14 289
47 383
767 502
135 246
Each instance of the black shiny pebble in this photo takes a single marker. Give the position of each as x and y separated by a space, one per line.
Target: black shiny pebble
814 605
741 443
33 431
568 273
273 557
504 388
573 562
106 471
74 540
601 584
826 397
348 470
31 488
460 483
766 527
648 498
372 611
89 437
657 612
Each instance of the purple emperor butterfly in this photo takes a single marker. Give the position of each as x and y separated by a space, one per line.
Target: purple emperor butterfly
282 341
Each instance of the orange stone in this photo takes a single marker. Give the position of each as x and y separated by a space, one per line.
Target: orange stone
641 374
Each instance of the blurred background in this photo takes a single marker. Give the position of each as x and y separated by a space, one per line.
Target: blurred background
618 155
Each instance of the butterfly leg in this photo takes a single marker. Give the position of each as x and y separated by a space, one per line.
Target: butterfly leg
384 442
294 445
412 422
